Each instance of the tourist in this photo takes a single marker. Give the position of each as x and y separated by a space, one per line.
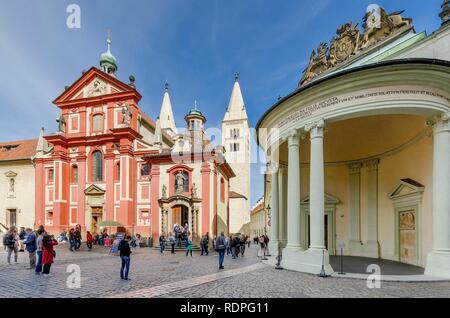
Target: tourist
162 243
242 245
89 240
262 251
10 242
220 246
189 246
227 244
172 243
125 256
214 243
266 244
48 253
237 246
204 244
248 241
96 238
63 236
40 235
77 237
72 239
22 235
233 246
31 247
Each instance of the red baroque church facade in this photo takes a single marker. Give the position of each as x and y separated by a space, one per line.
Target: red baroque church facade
110 162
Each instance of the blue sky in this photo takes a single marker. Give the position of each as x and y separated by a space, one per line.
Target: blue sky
196 45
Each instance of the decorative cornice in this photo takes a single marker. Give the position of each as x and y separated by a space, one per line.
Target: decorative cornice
355 168
372 164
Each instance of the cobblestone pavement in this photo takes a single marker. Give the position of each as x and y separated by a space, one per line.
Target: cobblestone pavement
156 275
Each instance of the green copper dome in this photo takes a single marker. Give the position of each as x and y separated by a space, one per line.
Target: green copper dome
108 62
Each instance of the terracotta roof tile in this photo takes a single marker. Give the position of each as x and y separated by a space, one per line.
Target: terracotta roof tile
17 150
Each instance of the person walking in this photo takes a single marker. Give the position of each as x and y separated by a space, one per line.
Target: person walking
10 241
204 244
125 256
220 245
242 245
189 246
30 246
77 237
162 243
39 237
72 239
22 235
89 240
262 250
48 253
172 243
227 244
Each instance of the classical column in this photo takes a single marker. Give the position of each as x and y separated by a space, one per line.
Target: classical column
371 247
317 188
294 192
274 205
282 212
438 261
354 208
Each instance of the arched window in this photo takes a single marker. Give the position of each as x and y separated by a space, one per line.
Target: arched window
74 174
97 166
222 190
97 122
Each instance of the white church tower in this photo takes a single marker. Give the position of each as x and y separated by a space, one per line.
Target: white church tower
236 140
167 121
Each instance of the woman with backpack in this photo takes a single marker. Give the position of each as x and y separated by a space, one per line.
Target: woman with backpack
48 253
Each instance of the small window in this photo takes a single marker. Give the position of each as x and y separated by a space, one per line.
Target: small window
117 172
51 175
74 175
97 123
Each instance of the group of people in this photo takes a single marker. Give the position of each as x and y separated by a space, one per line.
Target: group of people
39 244
74 238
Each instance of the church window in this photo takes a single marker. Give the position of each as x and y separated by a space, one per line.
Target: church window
97 166
74 174
97 123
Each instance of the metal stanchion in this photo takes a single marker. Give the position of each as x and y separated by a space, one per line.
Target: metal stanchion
342 263
279 257
322 272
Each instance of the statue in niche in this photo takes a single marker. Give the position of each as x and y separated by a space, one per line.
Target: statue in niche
61 123
164 192
126 120
194 190
11 185
179 182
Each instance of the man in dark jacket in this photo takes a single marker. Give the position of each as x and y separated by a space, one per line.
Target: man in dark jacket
220 248
31 246
125 253
204 244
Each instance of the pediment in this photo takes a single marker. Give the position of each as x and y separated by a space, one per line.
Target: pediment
93 83
94 190
329 199
406 187
10 174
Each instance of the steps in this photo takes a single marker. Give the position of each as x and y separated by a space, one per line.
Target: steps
178 248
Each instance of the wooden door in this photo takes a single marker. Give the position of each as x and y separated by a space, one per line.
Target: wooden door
97 215
176 215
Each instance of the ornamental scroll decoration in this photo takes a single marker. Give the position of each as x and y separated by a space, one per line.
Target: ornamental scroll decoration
378 26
